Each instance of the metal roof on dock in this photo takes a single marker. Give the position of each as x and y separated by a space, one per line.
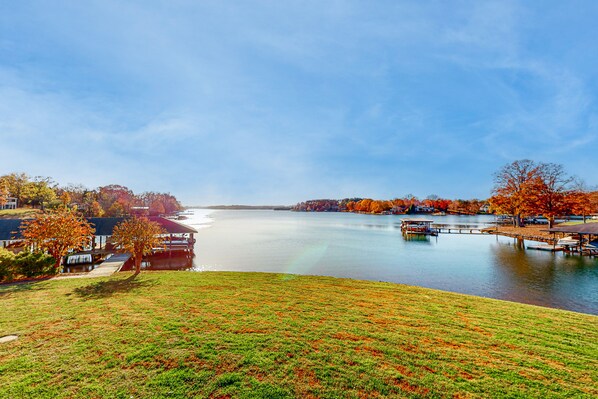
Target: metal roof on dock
583 228
10 229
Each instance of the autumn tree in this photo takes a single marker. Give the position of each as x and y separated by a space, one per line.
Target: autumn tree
552 191
350 206
582 200
65 198
16 183
39 192
138 235
4 193
115 199
95 209
514 186
117 209
157 208
57 233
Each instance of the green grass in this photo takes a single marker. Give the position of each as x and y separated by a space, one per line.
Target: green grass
575 222
18 213
253 335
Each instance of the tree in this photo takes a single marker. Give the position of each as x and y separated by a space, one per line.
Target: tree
157 208
39 192
95 209
513 191
109 195
3 192
65 198
582 200
116 210
552 191
16 183
138 235
57 233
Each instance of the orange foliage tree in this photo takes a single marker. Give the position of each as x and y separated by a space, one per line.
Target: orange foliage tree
583 202
57 233
138 235
514 186
553 191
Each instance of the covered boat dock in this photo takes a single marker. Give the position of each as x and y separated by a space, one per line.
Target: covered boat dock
583 230
178 237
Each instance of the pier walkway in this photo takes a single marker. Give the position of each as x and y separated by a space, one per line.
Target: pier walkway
106 268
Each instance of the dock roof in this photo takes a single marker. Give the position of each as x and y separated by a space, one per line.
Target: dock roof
416 220
583 228
10 228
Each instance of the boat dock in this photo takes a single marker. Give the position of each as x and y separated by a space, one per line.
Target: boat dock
458 229
110 266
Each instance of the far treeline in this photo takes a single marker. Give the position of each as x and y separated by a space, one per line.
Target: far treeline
522 188
111 201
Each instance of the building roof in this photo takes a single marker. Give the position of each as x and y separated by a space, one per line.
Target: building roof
104 226
583 228
171 226
10 228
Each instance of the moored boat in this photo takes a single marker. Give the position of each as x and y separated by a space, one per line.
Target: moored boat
418 226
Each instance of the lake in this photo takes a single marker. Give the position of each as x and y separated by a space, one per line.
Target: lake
371 247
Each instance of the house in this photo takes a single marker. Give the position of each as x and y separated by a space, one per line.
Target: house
10 204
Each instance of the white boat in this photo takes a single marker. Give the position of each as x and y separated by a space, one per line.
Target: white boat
568 241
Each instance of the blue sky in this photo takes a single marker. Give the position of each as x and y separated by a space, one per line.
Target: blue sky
276 102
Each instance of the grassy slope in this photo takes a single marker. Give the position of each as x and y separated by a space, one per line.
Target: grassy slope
182 334
18 213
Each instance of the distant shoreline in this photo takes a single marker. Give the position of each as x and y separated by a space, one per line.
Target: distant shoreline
244 207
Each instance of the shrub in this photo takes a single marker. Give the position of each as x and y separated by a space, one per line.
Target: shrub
34 264
7 259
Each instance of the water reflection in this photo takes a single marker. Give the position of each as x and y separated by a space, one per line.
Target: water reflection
544 278
83 268
419 238
372 248
163 262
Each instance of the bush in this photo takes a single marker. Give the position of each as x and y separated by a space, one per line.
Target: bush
7 259
34 264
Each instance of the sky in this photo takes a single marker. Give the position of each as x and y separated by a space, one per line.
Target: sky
270 102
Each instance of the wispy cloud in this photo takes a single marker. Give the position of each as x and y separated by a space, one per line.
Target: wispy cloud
275 102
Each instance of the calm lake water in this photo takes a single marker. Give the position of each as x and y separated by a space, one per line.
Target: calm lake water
371 247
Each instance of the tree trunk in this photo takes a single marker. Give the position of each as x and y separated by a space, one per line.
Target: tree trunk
517 220
57 264
138 258
550 222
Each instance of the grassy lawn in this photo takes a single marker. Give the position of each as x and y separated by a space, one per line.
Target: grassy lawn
575 222
253 335
18 213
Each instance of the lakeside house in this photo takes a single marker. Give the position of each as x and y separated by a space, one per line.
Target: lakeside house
11 203
178 237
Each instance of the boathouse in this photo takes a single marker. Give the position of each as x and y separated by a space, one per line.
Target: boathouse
179 237
583 229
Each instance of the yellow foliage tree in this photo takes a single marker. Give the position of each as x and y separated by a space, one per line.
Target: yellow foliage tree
138 235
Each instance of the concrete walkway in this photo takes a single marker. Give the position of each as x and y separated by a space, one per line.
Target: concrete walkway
110 266
106 268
